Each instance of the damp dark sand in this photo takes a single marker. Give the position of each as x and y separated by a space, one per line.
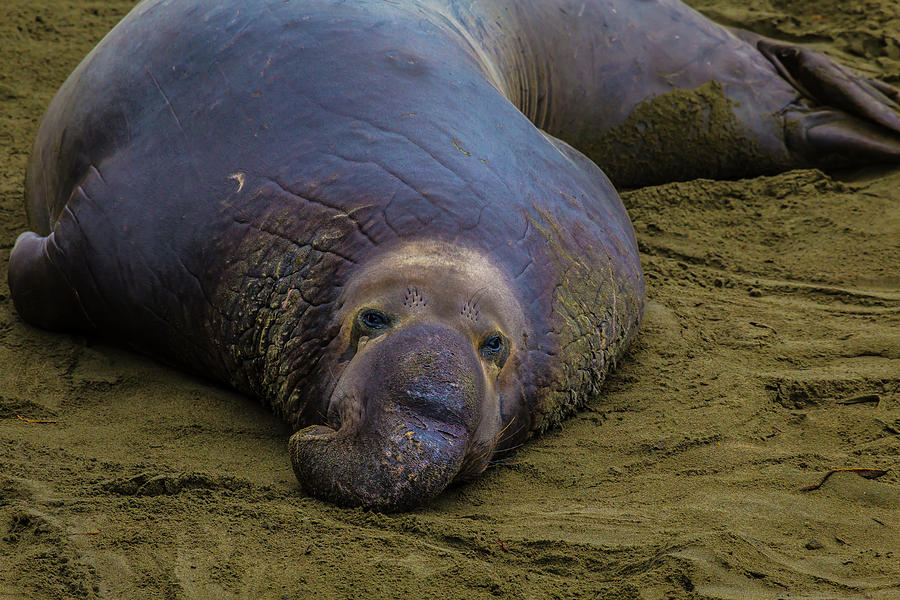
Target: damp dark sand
770 355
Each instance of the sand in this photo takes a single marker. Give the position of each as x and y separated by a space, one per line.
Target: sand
770 355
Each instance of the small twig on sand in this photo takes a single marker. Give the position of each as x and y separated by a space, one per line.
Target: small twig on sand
862 472
21 418
874 398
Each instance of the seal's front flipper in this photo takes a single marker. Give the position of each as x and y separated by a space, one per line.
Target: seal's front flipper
40 291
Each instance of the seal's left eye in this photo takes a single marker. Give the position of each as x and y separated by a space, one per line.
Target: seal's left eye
373 319
493 343
492 348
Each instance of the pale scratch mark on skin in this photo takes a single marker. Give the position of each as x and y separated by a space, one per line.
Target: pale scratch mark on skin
224 76
293 292
349 214
240 178
458 145
166 98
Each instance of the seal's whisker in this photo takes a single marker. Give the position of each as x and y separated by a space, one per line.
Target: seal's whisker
503 462
510 449
485 453
497 437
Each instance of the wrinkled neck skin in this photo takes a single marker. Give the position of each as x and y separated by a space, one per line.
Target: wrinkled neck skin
425 385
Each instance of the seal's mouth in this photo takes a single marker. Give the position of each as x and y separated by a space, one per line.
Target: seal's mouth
343 419
318 432
398 439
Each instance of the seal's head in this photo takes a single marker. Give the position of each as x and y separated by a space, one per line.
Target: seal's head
425 385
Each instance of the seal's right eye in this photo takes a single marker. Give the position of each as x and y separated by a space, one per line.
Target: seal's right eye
373 319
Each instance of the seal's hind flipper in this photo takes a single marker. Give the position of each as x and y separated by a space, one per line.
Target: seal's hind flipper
830 84
847 119
40 291
887 89
831 138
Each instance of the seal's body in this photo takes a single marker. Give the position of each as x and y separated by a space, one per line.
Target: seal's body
359 212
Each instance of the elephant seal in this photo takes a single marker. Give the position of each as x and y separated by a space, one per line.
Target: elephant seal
363 214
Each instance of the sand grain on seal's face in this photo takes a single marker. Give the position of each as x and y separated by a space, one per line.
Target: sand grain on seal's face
772 300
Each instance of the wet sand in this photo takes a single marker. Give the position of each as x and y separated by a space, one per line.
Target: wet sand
770 354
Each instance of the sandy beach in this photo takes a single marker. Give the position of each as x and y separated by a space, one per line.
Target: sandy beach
769 355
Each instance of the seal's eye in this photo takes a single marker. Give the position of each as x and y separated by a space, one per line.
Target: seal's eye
493 344
373 319
493 348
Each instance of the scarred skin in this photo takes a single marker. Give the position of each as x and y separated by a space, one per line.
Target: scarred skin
358 212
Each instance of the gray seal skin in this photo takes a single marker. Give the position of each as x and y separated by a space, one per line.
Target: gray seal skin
361 213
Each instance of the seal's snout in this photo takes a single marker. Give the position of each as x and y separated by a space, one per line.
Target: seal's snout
404 412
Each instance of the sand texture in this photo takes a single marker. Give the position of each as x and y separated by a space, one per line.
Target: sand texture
770 354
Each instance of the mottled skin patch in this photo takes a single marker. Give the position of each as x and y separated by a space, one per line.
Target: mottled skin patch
596 315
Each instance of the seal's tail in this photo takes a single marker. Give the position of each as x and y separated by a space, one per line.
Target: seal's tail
843 118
